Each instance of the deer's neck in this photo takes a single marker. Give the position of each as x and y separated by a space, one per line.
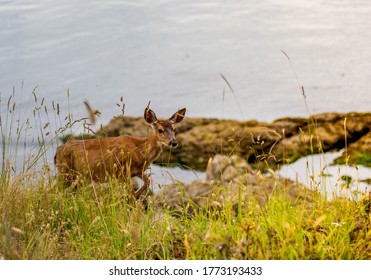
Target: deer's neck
153 147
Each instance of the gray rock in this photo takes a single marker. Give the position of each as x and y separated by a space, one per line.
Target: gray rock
231 181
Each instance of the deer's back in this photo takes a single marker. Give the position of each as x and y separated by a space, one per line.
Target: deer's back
99 158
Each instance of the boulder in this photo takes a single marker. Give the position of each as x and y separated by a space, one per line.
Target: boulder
358 153
231 182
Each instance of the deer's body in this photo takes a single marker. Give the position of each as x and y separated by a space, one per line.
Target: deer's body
112 156
120 157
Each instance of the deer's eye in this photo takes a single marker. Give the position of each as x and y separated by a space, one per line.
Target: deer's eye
160 130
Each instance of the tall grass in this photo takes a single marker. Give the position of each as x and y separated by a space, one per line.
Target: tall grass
52 223
41 219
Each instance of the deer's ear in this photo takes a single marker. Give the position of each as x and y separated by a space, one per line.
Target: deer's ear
150 116
178 116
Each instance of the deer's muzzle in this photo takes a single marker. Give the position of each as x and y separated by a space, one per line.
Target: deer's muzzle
173 143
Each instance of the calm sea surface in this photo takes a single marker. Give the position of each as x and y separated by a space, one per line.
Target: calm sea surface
173 53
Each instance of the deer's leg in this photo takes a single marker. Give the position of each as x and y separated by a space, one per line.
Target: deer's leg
132 190
146 182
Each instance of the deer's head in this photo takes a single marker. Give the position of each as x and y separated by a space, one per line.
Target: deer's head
165 129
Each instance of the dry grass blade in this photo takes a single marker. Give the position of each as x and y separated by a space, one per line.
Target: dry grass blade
229 85
93 113
17 231
301 88
234 95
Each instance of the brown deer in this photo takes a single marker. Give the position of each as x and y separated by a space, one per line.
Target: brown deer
119 157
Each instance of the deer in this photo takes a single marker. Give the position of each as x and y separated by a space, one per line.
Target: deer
122 157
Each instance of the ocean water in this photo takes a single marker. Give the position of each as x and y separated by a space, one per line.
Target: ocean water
173 52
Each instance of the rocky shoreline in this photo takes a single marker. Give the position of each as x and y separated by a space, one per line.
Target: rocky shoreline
231 182
236 154
261 144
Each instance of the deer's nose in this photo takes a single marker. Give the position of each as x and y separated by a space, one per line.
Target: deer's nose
173 143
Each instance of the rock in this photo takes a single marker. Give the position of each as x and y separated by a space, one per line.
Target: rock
237 191
323 133
358 152
225 168
216 166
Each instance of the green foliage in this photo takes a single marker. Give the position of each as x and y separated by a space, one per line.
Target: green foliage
357 158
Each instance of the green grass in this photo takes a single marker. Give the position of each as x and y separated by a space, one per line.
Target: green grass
41 219
45 221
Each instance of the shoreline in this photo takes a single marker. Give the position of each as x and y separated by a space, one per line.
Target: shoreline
263 144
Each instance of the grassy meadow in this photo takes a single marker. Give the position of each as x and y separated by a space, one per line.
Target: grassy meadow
42 219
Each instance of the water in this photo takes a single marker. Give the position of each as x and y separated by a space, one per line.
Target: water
173 52
166 176
317 172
